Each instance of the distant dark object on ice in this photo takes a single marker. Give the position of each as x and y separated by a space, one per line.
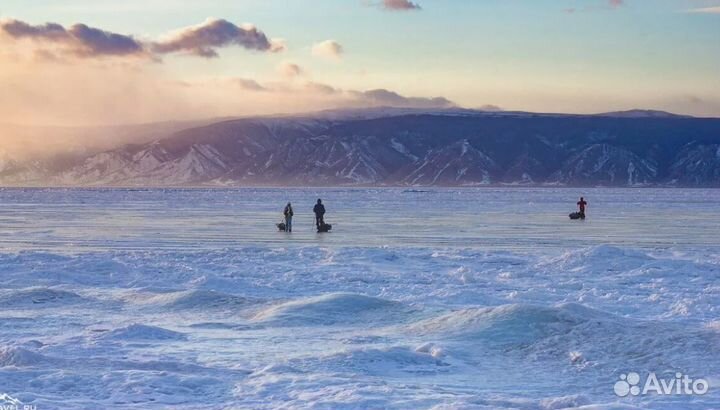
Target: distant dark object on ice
577 215
324 228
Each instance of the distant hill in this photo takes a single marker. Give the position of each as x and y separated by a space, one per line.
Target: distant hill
448 147
642 114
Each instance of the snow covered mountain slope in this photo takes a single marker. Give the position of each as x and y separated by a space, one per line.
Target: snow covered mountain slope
453 147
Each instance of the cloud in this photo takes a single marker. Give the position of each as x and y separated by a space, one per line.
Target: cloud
20 29
706 10
399 5
204 39
329 49
377 98
383 97
52 40
78 40
289 70
490 108
608 5
249 85
322 88
322 96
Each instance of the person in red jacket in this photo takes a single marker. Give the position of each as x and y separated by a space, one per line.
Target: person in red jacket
581 205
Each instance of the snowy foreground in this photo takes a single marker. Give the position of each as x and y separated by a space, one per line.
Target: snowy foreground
475 298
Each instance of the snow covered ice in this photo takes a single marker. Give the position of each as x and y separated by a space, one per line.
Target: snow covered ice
439 298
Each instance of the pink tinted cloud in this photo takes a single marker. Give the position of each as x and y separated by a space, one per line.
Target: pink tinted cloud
399 5
78 40
204 39
83 41
609 4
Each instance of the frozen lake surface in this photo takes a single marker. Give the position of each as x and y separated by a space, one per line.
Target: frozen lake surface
437 298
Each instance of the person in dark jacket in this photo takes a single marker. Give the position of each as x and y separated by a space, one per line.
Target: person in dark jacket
581 206
319 210
288 212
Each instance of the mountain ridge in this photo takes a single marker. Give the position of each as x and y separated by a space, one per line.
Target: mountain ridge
405 147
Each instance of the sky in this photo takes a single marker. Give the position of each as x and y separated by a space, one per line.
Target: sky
132 61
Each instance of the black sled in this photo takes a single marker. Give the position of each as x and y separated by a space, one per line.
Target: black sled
324 228
577 215
281 226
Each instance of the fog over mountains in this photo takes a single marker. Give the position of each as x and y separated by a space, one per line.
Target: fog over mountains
407 147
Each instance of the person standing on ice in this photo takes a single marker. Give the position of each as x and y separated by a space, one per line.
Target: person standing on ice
319 210
581 205
288 212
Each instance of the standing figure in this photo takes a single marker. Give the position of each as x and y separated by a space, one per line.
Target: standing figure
288 212
581 205
319 210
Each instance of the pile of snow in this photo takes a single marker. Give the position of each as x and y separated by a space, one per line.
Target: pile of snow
334 308
142 332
